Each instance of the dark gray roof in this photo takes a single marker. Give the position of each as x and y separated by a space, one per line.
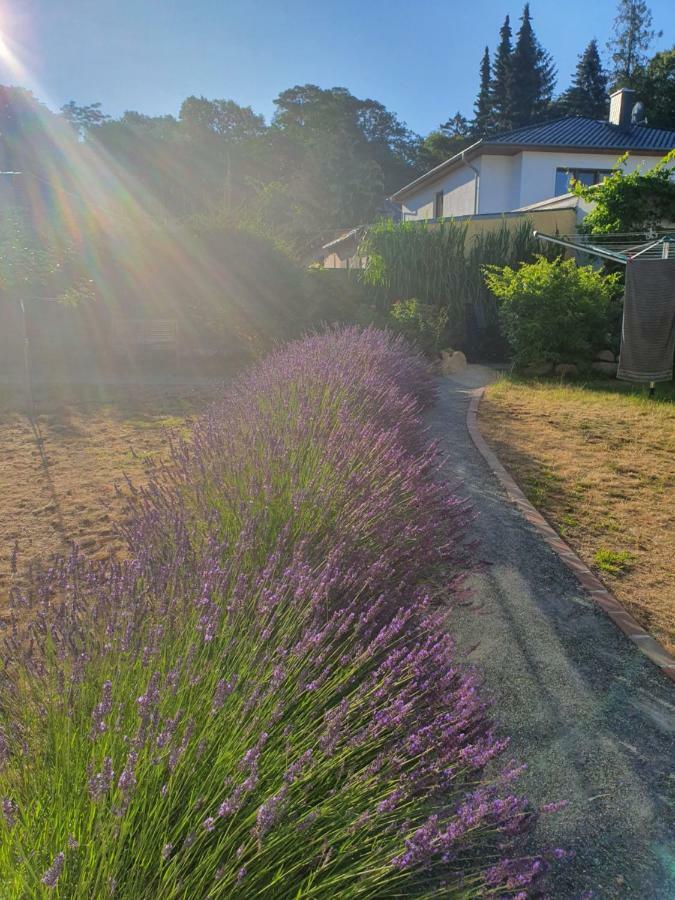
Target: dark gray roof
576 131
571 133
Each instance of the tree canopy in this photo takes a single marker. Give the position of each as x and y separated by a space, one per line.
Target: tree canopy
587 95
632 36
327 160
501 94
482 119
517 89
532 76
654 84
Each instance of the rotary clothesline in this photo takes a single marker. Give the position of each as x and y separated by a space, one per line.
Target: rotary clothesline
619 247
648 327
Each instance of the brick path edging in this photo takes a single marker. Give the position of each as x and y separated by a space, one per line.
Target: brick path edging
594 587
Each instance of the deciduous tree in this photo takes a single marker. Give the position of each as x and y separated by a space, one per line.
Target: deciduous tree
655 86
222 118
83 118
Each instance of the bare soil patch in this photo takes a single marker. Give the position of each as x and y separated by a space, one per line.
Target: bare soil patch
599 461
63 475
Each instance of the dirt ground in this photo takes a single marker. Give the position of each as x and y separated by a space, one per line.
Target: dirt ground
598 461
63 479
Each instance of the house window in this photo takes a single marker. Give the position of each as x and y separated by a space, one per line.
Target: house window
564 177
438 205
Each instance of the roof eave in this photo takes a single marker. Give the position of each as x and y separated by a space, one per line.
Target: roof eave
512 149
433 174
504 149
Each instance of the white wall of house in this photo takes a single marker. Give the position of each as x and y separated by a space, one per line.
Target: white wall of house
458 196
499 186
507 182
537 179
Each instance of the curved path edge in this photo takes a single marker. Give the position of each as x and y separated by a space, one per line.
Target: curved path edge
595 588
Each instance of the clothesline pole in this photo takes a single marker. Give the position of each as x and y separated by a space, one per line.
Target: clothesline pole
579 248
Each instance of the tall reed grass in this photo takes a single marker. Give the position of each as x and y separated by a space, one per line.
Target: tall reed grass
263 699
440 264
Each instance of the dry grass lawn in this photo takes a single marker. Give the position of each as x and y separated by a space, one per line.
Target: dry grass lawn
64 482
599 461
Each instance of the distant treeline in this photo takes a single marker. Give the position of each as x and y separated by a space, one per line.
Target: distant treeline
326 160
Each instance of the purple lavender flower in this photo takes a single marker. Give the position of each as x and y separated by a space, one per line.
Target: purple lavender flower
268 813
101 710
554 806
331 614
296 768
127 780
9 811
190 838
53 873
99 784
223 690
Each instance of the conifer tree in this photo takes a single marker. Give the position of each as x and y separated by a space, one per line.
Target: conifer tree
501 84
587 95
532 76
482 121
632 37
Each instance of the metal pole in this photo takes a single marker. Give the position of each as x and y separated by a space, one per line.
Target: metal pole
580 248
651 247
26 362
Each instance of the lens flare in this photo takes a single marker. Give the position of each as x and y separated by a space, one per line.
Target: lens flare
9 58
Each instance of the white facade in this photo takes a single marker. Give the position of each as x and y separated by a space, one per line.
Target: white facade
497 183
537 180
458 189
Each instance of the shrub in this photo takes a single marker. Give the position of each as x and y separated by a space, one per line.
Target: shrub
262 699
553 311
423 324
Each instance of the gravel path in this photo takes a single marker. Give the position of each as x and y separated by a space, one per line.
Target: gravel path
591 716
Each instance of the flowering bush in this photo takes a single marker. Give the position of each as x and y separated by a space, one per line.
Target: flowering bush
263 699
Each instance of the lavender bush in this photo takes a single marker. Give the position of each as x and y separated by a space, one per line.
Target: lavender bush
264 699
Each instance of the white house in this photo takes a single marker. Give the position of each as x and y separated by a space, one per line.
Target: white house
522 168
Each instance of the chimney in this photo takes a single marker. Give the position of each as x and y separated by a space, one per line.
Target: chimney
620 107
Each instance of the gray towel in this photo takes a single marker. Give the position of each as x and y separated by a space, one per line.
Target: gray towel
648 331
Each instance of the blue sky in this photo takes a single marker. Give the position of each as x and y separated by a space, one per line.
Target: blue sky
418 58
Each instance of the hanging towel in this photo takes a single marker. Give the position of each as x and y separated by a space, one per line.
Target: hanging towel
648 330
